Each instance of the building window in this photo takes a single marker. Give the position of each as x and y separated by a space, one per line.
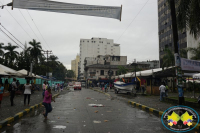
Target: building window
116 73
87 41
102 72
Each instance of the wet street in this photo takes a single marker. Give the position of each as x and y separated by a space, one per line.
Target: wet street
73 113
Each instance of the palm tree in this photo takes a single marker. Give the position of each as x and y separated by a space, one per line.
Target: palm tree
122 70
168 58
183 53
1 52
11 55
35 50
195 52
188 16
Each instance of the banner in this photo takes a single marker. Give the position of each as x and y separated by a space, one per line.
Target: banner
191 65
52 6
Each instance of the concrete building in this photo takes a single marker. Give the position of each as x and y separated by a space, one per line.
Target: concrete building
166 35
149 64
97 46
165 30
98 67
75 65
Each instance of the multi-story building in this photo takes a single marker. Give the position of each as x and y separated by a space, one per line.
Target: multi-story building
165 30
97 46
98 67
75 65
166 34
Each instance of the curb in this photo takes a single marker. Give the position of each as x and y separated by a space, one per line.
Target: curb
19 115
148 109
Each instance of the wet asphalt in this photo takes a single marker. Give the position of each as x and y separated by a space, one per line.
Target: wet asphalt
72 114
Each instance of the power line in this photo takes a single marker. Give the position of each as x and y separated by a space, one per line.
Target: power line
12 34
10 38
28 24
133 20
17 22
37 29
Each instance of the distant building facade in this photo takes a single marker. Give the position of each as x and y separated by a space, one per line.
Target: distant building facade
97 46
75 66
97 68
145 65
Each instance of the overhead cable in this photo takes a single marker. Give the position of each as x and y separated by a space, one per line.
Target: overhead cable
11 38
37 29
11 34
28 24
132 20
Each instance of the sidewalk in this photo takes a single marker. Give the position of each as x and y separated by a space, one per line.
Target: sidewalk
7 110
150 101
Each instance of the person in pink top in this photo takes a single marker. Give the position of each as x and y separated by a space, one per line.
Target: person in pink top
47 102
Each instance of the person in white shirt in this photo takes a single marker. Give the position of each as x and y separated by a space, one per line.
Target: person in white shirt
27 92
162 89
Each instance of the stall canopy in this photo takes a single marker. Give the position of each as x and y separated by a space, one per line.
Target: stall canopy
25 72
8 71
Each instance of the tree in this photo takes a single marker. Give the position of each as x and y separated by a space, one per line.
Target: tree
168 58
195 52
1 52
122 70
188 16
183 53
11 55
70 74
35 50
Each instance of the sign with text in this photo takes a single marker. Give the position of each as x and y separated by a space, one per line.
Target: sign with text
52 6
191 65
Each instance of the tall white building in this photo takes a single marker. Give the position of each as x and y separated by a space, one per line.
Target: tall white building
97 46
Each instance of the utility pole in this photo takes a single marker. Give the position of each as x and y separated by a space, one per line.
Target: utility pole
176 51
47 52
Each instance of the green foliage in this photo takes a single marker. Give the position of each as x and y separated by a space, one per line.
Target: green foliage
195 52
168 58
188 16
122 70
70 74
183 53
22 60
11 55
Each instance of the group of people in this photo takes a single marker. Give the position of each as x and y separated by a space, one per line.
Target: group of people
13 87
105 86
28 87
163 91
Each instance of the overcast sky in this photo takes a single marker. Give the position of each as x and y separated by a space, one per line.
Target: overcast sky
137 34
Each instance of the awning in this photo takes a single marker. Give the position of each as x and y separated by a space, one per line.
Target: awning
4 70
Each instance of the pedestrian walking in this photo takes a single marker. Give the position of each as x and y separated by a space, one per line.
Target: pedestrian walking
166 91
110 86
27 92
162 89
56 87
1 93
44 88
12 92
106 87
53 86
47 102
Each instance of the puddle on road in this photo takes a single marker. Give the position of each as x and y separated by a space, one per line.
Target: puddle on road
59 127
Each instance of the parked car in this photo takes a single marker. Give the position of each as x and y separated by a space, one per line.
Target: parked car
77 86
